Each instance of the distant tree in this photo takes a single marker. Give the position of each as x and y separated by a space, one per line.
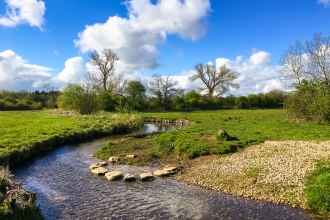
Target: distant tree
318 53
293 65
217 81
136 94
105 64
164 88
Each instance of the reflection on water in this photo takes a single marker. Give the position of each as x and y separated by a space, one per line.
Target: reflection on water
66 189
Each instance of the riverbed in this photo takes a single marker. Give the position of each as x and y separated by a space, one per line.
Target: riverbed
66 189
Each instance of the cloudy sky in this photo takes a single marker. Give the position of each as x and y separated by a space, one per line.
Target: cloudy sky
45 41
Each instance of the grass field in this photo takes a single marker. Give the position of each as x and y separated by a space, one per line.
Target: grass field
21 130
245 128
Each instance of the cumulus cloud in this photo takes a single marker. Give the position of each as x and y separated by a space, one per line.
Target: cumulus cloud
135 38
326 3
16 74
74 70
255 74
23 11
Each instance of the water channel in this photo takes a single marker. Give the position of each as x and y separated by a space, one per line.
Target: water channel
66 189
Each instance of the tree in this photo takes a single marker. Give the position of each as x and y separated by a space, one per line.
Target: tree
164 88
318 53
135 90
105 64
136 94
293 63
216 80
82 97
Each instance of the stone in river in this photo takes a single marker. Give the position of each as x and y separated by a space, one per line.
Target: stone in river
101 164
146 176
171 170
113 175
97 165
99 171
162 173
129 177
113 159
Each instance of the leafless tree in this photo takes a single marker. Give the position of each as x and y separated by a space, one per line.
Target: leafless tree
216 80
293 62
318 53
105 64
164 88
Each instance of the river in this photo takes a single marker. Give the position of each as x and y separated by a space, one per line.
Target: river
66 189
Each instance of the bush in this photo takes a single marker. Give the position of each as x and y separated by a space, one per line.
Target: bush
311 102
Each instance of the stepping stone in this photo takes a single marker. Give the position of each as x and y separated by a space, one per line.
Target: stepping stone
129 177
113 159
99 171
101 164
171 170
113 175
97 165
162 173
146 176
130 156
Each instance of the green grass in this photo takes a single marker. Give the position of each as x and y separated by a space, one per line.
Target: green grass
318 188
244 127
21 130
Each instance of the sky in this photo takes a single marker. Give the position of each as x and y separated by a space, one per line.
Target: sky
49 41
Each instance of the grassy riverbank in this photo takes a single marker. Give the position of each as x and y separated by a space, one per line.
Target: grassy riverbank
25 133
270 181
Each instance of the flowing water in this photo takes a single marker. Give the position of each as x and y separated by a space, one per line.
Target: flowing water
66 189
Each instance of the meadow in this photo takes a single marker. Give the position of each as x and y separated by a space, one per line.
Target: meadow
24 133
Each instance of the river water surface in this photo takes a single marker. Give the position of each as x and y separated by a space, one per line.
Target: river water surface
66 189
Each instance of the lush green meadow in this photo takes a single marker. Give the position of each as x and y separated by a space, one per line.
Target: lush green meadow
21 130
245 127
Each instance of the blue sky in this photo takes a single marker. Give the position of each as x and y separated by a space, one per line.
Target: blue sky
49 41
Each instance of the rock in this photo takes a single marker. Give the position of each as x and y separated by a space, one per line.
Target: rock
130 156
161 173
101 164
113 175
129 177
113 159
222 132
93 166
99 171
97 165
146 176
171 170
223 135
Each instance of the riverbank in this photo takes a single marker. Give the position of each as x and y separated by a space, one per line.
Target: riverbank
27 133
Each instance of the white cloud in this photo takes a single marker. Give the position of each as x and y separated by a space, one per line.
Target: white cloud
74 70
16 74
23 11
135 38
326 3
255 74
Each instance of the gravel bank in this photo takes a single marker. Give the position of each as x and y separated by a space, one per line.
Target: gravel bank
273 171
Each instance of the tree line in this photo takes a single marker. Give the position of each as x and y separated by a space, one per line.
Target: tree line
103 89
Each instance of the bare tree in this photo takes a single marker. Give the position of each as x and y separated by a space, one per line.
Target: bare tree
105 64
216 80
293 64
117 85
318 53
164 88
